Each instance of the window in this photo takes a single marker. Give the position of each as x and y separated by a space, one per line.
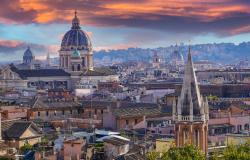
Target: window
83 62
136 121
127 122
73 68
71 111
47 113
89 114
95 111
54 113
78 111
38 114
78 67
63 112
101 111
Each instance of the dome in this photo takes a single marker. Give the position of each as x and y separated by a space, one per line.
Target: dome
28 56
76 38
28 53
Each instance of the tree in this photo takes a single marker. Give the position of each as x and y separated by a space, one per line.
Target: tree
26 147
241 152
215 156
189 152
152 155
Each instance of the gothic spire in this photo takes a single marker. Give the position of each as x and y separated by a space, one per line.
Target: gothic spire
190 103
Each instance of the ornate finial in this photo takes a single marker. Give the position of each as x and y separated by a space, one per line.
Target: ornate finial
75 13
75 22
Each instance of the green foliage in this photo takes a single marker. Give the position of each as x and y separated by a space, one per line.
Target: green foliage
99 147
5 158
26 147
44 141
153 155
215 156
241 152
212 98
188 152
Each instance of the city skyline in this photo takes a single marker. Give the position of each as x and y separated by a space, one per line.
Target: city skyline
123 24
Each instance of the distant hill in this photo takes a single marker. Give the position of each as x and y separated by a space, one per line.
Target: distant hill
217 52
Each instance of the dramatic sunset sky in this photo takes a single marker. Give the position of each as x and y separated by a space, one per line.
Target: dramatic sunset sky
115 24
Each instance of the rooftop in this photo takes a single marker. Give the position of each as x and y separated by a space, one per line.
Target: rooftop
24 74
116 141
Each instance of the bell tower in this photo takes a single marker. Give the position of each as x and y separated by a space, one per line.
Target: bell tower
190 112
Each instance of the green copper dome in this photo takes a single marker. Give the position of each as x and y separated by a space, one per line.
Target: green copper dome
76 53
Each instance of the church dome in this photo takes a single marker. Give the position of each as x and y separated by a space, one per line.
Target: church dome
28 53
28 56
76 38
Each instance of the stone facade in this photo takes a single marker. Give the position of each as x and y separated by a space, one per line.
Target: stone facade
190 112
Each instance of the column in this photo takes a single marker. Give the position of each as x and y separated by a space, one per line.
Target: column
69 62
64 61
61 61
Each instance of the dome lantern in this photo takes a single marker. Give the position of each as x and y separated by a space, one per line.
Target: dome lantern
75 22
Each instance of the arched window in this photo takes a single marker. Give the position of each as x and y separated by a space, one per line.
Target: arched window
185 136
246 126
73 68
78 67
196 137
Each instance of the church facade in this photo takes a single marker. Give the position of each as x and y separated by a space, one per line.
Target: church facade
76 67
190 112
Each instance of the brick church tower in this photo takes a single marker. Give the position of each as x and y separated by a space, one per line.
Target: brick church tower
190 112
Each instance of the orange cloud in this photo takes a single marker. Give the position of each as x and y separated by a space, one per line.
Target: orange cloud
173 15
10 43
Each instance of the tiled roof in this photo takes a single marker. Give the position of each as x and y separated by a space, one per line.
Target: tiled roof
121 109
42 104
98 72
136 111
6 124
39 72
16 130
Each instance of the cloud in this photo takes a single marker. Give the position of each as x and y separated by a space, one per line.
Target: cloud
12 49
224 17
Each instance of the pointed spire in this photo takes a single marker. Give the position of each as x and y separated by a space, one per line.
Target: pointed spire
190 102
189 56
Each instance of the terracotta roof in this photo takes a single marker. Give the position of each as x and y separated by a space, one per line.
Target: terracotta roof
236 110
137 111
